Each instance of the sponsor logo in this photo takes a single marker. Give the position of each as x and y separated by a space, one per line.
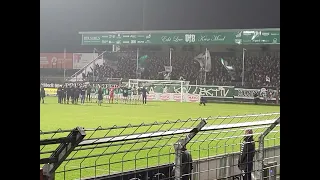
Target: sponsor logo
177 97
91 38
164 97
193 98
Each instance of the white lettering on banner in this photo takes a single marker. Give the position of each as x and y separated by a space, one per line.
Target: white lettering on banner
44 60
88 38
54 61
177 39
190 38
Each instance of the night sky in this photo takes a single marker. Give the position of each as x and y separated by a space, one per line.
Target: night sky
61 20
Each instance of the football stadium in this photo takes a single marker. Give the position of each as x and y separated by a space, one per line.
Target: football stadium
162 104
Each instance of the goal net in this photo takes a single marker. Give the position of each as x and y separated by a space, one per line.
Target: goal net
165 90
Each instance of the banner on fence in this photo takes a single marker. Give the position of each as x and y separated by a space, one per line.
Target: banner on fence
51 91
82 59
173 97
56 60
264 93
215 91
49 85
206 91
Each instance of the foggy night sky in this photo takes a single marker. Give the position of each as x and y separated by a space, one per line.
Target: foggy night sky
61 20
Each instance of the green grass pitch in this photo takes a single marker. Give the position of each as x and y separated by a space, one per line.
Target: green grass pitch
54 116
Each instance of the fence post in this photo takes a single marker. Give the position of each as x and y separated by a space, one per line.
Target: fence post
182 143
67 145
261 147
277 96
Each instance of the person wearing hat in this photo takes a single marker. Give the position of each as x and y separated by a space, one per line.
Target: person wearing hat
186 164
245 162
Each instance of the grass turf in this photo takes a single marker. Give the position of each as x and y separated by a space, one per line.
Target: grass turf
118 157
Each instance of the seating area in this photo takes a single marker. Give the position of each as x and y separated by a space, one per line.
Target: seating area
261 69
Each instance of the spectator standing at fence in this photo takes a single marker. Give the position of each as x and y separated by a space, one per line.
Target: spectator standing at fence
187 166
245 162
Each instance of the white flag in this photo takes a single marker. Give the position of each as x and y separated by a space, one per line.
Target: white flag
267 78
208 61
204 60
201 59
225 64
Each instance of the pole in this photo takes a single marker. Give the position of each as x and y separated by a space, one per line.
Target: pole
170 56
137 62
205 67
64 64
94 51
181 87
243 51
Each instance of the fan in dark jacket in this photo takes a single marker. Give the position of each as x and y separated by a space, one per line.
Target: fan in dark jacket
186 164
245 162
42 94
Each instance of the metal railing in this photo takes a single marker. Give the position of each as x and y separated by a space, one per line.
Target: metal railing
147 150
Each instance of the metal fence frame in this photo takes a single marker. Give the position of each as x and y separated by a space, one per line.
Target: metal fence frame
181 130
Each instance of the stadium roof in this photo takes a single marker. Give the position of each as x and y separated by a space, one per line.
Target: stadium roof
176 31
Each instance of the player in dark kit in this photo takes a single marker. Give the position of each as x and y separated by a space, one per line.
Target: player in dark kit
72 92
63 94
88 93
42 94
125 94
203 101
83 94
100 96
76 95
59 94
68 90
144 95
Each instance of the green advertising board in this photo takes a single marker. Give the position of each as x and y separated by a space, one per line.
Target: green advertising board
213 91
182 38
206 91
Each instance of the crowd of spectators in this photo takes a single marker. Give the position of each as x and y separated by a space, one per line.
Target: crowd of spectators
261 69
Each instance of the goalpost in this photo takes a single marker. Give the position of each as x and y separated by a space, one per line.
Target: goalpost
166 90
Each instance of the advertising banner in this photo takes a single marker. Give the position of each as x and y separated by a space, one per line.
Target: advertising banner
174 97
56 60
51 91
80 60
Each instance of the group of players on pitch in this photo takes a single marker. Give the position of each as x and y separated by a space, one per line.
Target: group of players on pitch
111 93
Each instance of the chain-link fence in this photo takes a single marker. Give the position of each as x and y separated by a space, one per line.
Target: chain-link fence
146 151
